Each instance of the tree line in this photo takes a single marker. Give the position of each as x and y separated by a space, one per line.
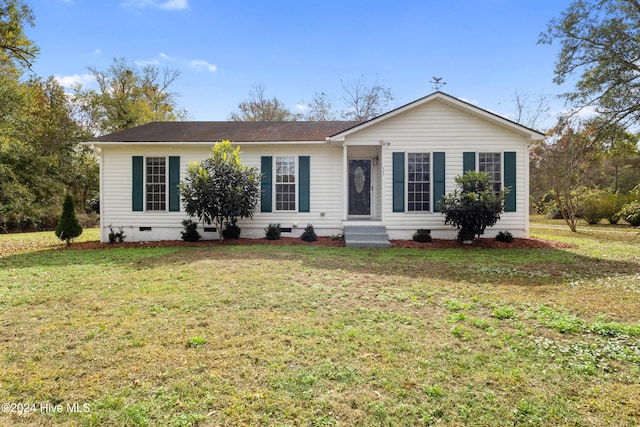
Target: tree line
42 125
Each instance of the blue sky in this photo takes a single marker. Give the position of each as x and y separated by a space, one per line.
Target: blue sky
485 50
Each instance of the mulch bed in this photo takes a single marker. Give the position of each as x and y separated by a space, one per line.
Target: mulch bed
531 243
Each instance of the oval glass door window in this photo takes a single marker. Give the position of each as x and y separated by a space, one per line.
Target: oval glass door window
358 179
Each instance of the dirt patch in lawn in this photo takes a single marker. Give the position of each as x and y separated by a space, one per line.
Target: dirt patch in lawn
531 243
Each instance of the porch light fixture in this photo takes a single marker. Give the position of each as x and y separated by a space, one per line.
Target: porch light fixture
375 161
384 142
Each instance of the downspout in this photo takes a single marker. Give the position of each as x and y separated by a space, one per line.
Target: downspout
101 189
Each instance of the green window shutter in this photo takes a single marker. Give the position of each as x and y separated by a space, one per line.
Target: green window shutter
304 185
438 180
266 166
510 180
137 193
174 181
468 161
398 182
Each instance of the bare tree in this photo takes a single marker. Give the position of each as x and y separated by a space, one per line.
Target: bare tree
365 102
258 108
320 108
531 110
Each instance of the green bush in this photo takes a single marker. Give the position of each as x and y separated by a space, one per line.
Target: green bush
272 232
68 227
592 208
613 204
116 236
504 236
631 213
190 233
231 231
309 235
422 235
473 206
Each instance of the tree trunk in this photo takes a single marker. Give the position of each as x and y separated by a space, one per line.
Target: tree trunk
219 224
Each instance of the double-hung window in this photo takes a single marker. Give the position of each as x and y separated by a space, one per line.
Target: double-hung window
418 182
491 164
156 183
286 183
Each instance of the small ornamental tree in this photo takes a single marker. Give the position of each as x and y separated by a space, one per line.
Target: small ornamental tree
473 206
221 189
68 227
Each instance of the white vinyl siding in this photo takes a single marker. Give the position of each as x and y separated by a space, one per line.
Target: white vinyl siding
116 188
440 127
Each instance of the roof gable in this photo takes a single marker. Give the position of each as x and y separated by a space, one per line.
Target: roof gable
450 100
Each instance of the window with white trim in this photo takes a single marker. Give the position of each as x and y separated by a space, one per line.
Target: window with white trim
418 182
286 183
156 183
491 164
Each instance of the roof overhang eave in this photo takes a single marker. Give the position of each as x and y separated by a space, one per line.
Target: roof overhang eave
196 143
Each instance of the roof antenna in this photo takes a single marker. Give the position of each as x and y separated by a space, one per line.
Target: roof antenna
438 82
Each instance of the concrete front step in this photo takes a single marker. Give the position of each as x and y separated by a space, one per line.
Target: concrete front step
366 236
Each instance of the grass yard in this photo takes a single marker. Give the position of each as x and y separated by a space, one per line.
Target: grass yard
318 336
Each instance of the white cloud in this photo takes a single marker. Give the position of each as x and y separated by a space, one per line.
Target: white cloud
161 4
203 65
148 62
74 79
167 57
174 5
97 52
302 107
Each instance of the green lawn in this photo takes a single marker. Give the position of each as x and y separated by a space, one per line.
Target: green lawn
311 336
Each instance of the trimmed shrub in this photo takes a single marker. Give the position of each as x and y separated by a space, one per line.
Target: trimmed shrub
231 231
190 233
309 234
504 236
272 232
116 236
631 213
422 235
68 227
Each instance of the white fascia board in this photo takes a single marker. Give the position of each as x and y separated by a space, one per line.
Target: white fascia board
206 143
472 109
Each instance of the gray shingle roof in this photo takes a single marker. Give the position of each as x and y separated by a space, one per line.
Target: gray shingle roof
233 131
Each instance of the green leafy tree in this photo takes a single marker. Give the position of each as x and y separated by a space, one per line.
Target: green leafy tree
128 96
599 42
618 156
258 108
68 227
16 49
221 189
473 206
561 164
